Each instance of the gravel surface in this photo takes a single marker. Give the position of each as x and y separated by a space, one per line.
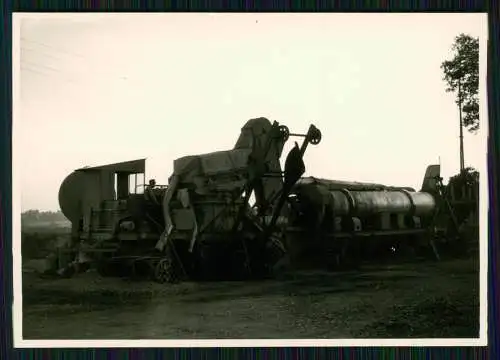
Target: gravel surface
426 299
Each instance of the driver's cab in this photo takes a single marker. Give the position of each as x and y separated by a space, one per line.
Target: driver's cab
106 191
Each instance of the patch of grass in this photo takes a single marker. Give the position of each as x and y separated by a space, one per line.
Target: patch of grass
61 301
38 242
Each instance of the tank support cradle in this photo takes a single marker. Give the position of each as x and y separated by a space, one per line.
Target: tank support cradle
159 268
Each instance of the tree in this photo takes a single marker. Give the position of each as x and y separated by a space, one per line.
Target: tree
462 77
468 179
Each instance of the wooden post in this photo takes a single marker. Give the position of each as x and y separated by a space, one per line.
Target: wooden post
462 161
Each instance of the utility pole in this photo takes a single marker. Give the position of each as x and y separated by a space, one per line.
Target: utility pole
462 161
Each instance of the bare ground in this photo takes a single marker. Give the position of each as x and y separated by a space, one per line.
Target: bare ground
425 299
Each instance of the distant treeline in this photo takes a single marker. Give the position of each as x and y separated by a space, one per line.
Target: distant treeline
37 217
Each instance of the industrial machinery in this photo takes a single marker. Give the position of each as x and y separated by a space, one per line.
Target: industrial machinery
345 222
200 225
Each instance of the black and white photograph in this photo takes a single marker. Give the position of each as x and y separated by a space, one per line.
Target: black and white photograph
213 179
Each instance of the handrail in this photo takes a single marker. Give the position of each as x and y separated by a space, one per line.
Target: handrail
157 186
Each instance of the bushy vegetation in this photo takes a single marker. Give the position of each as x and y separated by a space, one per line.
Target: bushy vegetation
40 232
468 179
37 245
36 218
461 74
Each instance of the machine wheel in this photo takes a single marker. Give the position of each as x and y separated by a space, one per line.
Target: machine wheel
284 132
164 271
314 136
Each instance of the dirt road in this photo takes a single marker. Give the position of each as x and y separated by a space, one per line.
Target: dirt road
411 300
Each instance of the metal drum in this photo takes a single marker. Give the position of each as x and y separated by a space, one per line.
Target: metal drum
70 195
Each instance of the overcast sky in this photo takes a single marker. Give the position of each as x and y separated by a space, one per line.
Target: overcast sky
101 88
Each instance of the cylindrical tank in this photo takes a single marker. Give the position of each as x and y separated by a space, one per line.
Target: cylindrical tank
350 185
424 203
364 203
359 203
70 195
